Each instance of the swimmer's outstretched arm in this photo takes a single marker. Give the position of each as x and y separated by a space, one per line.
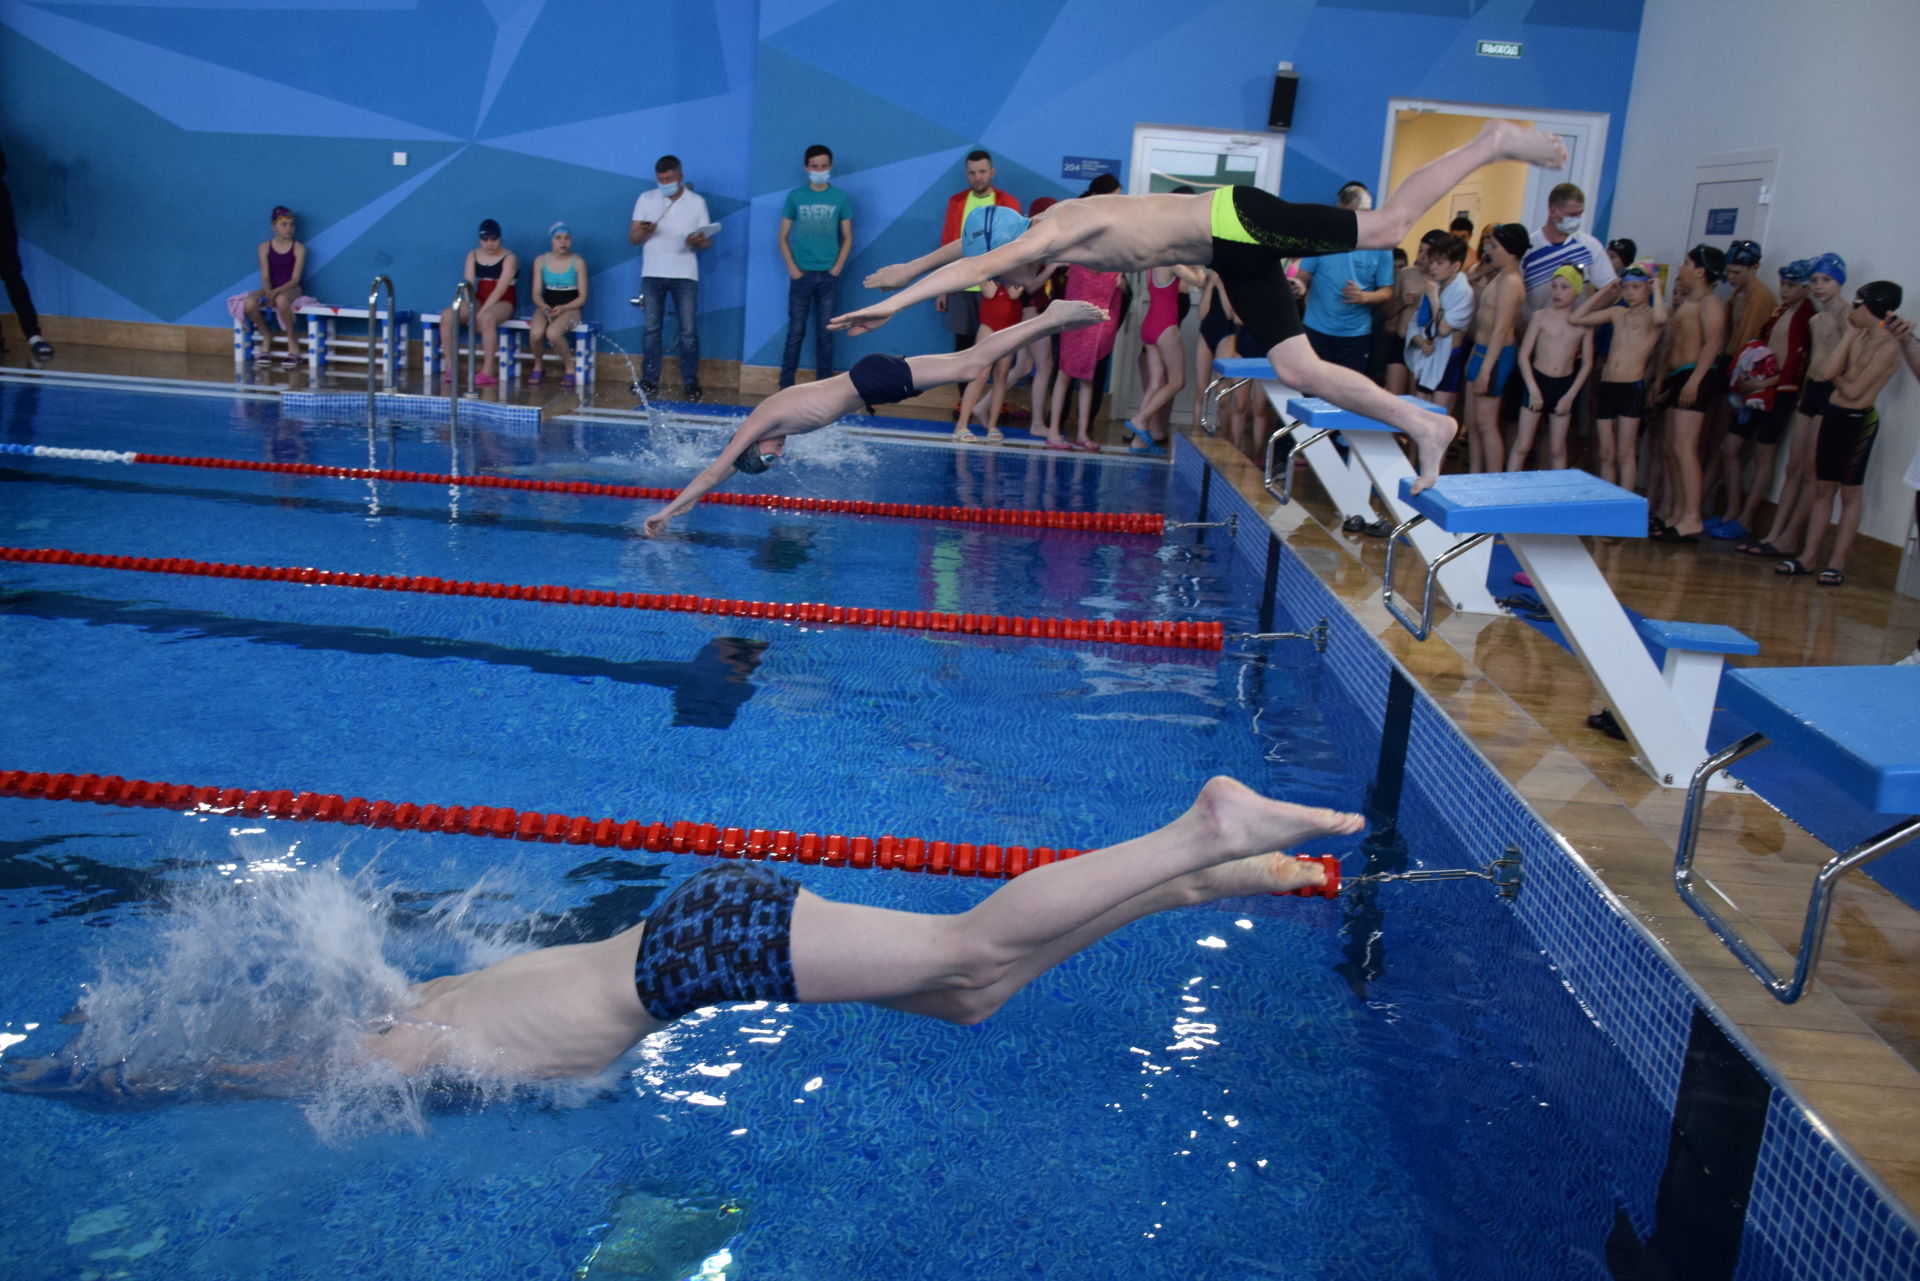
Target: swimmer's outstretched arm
789 412
1037 244
906 272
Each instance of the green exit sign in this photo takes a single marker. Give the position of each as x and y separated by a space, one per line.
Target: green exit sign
1497 48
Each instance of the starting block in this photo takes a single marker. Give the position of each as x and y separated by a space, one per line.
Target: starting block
1857 726
1542 515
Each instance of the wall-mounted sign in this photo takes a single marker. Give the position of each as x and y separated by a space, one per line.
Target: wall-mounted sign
1497 48
1720 222
1087 168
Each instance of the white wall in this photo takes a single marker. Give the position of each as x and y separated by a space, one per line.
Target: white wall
1832 86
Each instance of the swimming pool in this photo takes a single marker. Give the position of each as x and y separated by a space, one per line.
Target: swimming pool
1395 1084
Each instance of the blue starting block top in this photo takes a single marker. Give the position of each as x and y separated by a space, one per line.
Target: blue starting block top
1243 367
1530 502
1698 638
1311 411
1857 726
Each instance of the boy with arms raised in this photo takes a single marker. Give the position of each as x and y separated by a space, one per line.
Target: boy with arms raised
1637 319
1556 356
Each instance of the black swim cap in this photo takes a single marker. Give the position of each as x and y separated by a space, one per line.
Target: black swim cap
1435 236
1710 260
1744 253
1881 297
1624 248
753 462
1513 238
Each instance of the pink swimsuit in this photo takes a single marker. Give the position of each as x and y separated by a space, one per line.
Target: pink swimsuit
1163 309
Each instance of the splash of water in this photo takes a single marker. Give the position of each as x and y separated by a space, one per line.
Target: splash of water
264 981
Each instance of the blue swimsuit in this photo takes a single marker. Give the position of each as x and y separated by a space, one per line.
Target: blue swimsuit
719 936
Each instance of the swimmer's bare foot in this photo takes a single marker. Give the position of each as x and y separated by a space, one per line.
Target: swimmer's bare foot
1273 873
1520 142
1431 433
1074 313
1235 821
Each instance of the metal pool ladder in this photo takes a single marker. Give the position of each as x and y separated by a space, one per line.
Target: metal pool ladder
461 292
373 335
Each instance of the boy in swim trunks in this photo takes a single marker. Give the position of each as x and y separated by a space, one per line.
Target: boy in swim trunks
1824 331
1858 367
873 381
1622 398
1495 330
1788 335
738 931
1694 377
1245 235
1555 358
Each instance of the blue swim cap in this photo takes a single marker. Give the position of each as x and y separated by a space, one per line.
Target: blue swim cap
1832 266
557 228
1744 253
1797 272
989 227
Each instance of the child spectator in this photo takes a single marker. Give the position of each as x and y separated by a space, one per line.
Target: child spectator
1409 285
1556 356
559 296
494 272
1636 324
283 264
1696 375
1825 327
1436 347
1495 349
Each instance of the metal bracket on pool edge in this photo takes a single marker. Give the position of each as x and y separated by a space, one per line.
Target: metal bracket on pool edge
1424 627
1504 873
1284 494
1317 634
1231 524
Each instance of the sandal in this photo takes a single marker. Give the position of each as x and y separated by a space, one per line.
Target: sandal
961 433
994 436
1791 568
1831 577
1086 446
1059 442
536 376
1603 720
1669 534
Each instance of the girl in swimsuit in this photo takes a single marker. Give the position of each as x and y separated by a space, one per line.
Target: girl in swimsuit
283 261
559 295
1166 359
492 269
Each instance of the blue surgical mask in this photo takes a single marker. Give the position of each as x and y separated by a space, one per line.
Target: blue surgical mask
1568 226
669 189
820 178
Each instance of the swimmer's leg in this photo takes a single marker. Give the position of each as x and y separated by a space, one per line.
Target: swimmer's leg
965 366
1421 190
1294 360
843 952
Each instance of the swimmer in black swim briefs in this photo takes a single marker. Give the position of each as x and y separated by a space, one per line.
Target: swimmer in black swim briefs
738 931
874 380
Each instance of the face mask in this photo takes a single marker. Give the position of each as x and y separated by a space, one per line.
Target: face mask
821 178
669 189
1567 226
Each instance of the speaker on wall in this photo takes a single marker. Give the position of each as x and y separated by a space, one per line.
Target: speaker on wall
1286 84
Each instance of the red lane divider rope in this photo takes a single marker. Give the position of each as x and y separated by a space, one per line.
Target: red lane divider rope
1152 523
908 854
1155 632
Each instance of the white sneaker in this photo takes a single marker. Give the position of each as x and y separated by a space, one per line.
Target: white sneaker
1911 660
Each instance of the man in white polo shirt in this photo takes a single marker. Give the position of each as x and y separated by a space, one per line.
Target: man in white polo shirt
1561 243
671 222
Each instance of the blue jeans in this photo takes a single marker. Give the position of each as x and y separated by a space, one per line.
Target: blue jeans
819 292
686 314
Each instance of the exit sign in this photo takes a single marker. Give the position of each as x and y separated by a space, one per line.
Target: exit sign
1497 48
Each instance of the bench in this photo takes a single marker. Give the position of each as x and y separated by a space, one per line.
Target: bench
327 345
1543 515
1859 727
582 340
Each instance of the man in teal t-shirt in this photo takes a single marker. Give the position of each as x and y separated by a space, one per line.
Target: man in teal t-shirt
816 234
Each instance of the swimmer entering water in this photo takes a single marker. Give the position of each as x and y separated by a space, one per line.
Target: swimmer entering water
1244 234
873 381
742 932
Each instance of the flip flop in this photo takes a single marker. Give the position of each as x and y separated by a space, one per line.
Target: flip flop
1141 434
1154 450
1668 534
1791 568
1831 578
1059 442
1603 720
1086 446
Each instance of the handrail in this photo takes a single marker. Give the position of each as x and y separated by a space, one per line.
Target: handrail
461 317
1425 626
1210 403
1284 494
1813 931
373 332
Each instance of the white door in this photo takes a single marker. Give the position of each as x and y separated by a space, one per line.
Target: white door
1727 211
1165 157
1583 132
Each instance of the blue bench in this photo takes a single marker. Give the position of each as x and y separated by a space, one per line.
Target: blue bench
1664 711
1859 727
326 345
582 341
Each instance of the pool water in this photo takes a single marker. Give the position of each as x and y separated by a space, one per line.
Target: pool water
1261 1088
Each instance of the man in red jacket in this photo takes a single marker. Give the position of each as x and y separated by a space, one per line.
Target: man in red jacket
963 309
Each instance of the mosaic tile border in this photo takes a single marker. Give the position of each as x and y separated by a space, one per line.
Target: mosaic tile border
1814 1210
348 404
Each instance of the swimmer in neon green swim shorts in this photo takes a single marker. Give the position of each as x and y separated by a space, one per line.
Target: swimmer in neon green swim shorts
1244 234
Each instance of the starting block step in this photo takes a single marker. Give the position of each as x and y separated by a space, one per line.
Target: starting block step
1530 502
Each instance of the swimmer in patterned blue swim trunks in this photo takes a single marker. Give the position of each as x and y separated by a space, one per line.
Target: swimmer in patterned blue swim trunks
873 381
743 932
1245 235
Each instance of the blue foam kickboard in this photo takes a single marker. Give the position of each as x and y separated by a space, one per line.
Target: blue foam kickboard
1569 501
1858 726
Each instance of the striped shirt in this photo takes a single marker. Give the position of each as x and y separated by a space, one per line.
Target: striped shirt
1578 250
